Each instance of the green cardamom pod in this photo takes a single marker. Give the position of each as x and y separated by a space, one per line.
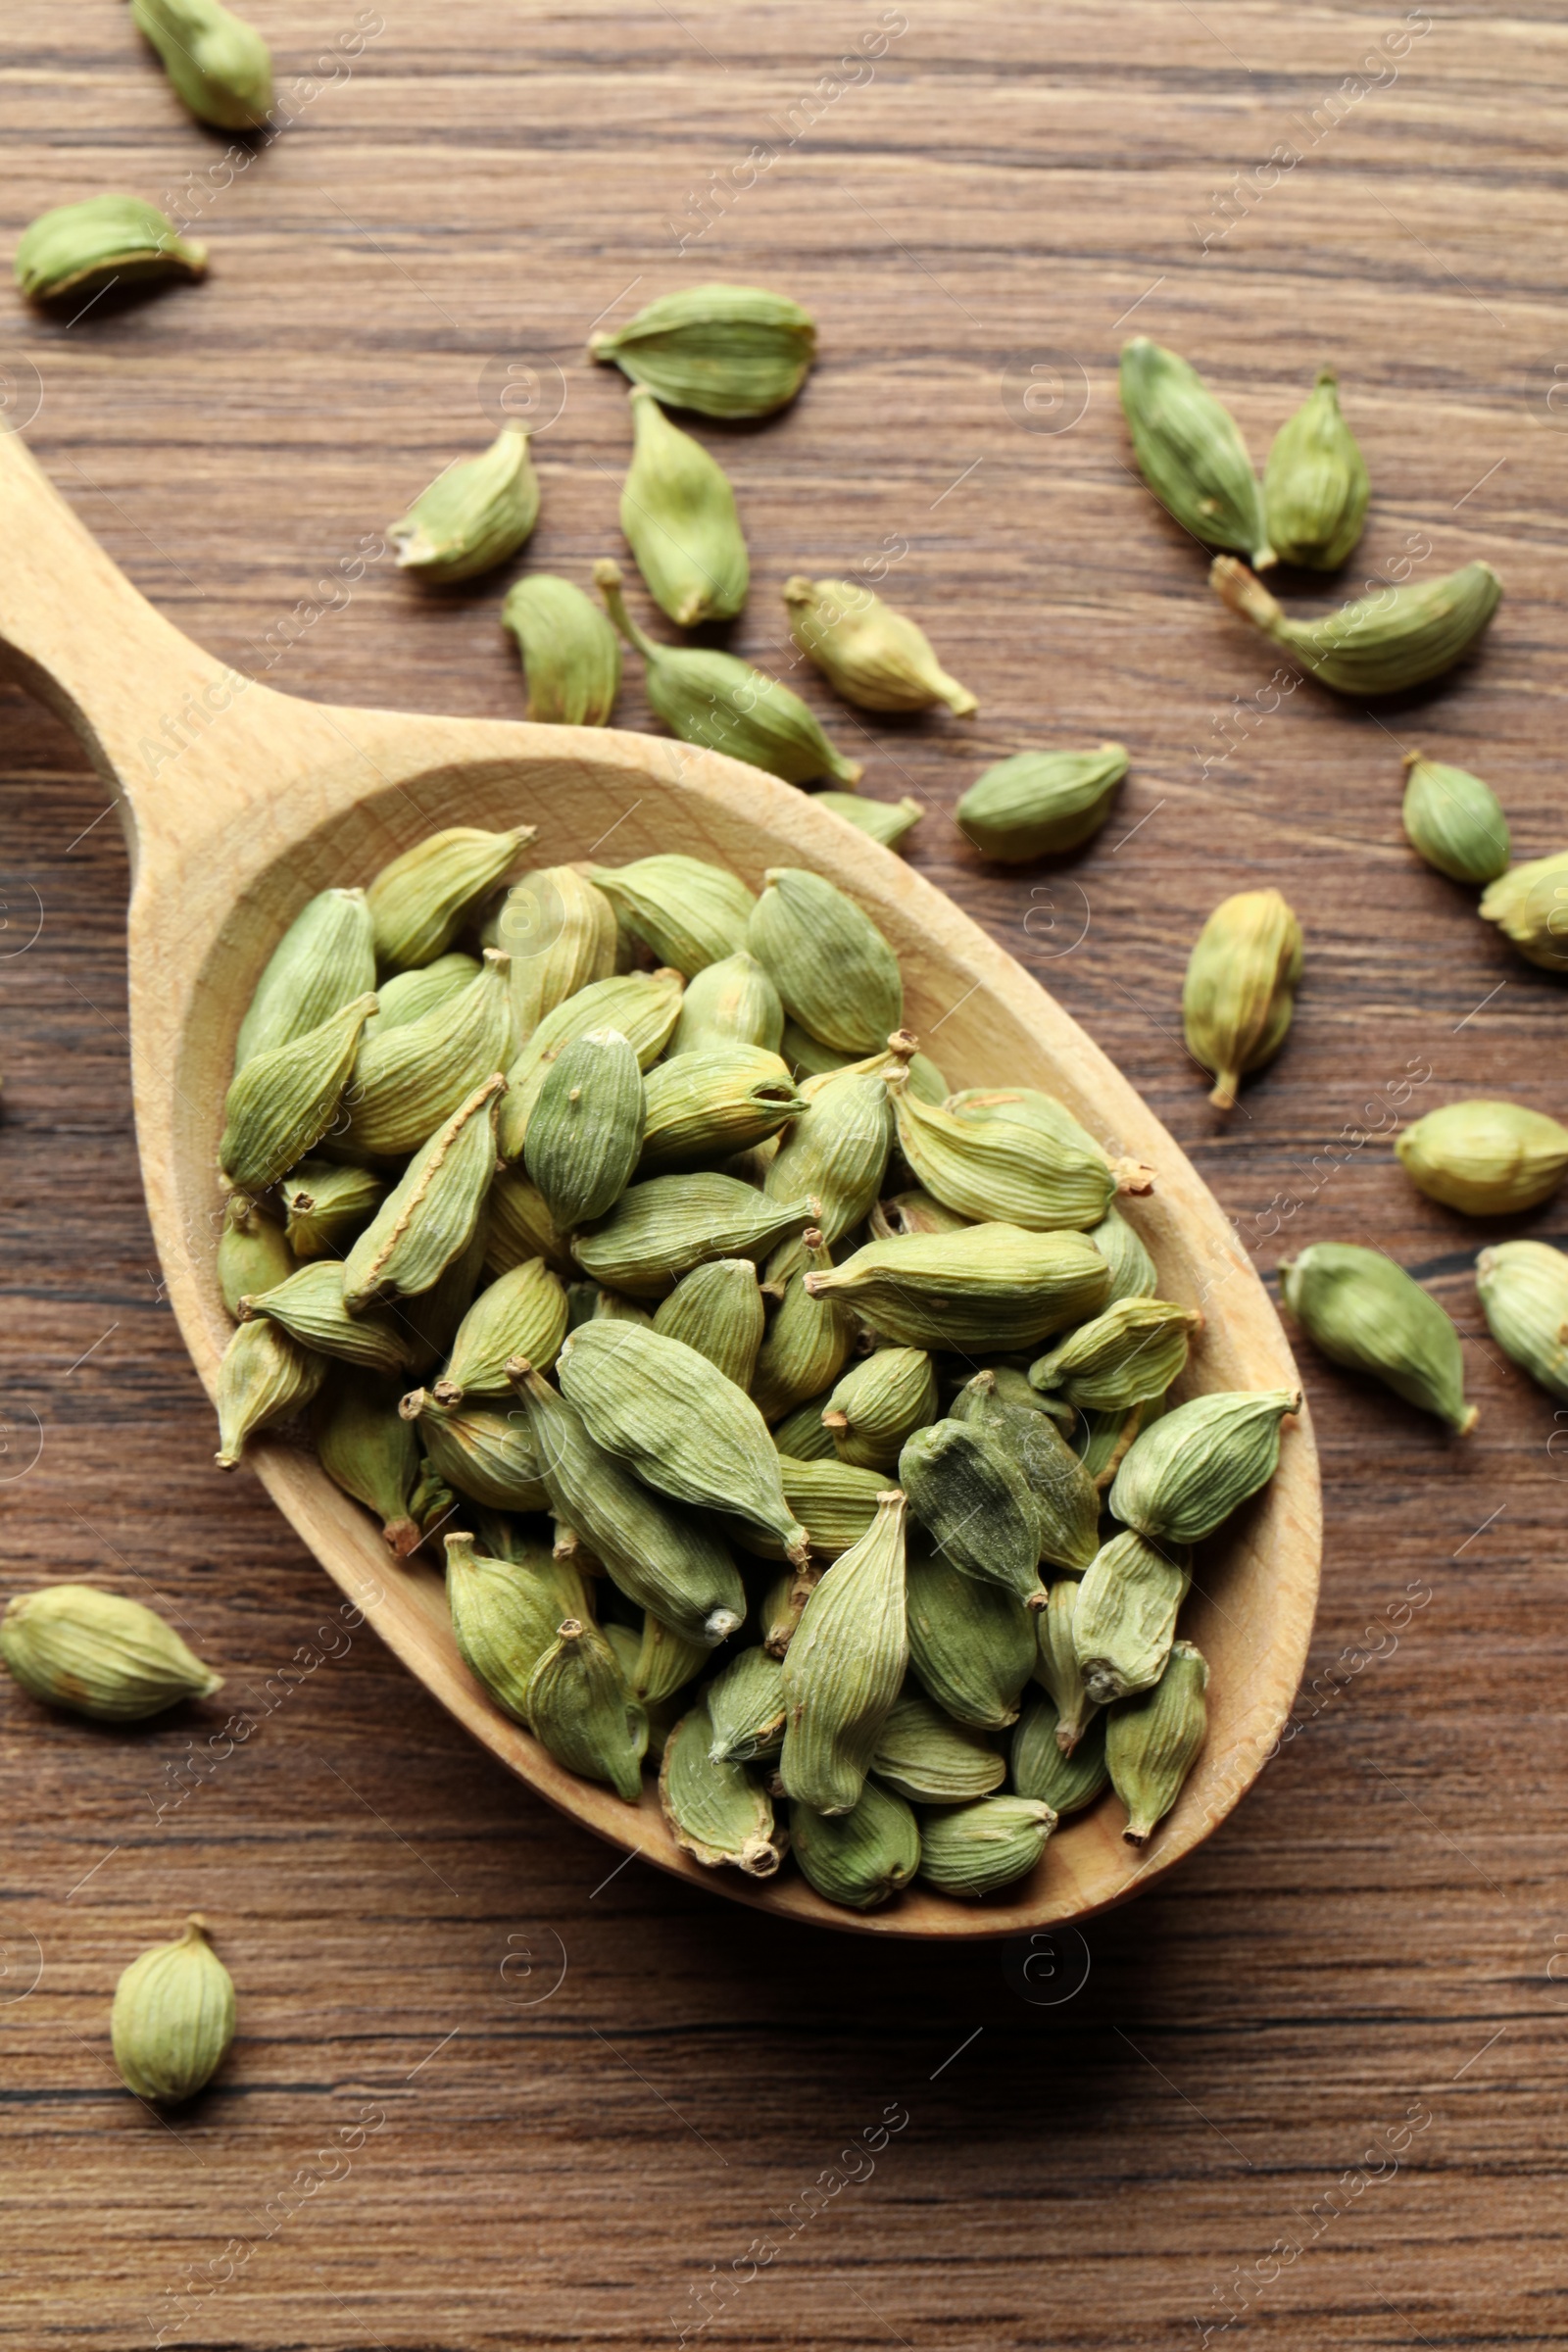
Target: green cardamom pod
1064 1495
421 900
578 1705
410 996
504 1615
523 1312
1191 453
174 2017
709 1106
1101 1439
521 1227
664 1562
104 241
1067 1783
1523 1288
746 1708
716 1810
1365 1311
878 1404
585 1130
1132 1269
805 1346
253 1253
284 1098
784 1605
1056 1666
974 1502
1453 821
972 1645
665 1661
859 1859
1383 643
1529 903
716 700
325 960
610 1307
677 509
834 971
724 351
1124 1620
432 1319
571 654
474 516
1151 1742
988 1286
326 1204
264 1376
833 1501
717 1309
1183 1478
925 1756
920 1212
642 1006
886 821
800 1435
367 1448
808 1058
411 1077
1131 1353
874 657
218 65
428 1218
1239 990
659 1230
432 1505
688 911
1040 804
99 1654
836 1153
1011 1155
561 934
1315 486
486 1450
310 1307
844 1667
975 1849
1490 1160
729 1002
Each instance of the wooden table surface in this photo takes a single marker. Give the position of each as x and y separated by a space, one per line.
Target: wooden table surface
488 2090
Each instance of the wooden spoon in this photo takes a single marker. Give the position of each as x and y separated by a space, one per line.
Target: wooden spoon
240 803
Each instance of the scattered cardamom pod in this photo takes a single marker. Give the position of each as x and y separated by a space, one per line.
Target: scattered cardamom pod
326 1204
1124 1620
836 1151
834 971
975 1849
878 1404
677 509
971 1644
923 1754
1040 804
410 996
101 242
325 960
665 1661
800 1435
1056 1665
283 1101
1365 1311
1453 821
1529 903
709 1106
585 1130
1011 1156
688 911
218 65
1523 1288
861 1858
521 1227
310 1307
432 1319
973 1500
659 1230
264 1376
1383 643
1132 1269
505 1613
917 1213
408 1078
484 1449
253 1253
99 1654
717 1309
988 1286
833 1501
474 516
421 900
523 1312
874 657
1131 1353
571 654
746 1708
578 1705
886 821
1151 1742
730 1003
429 1217
1490 1160
1064 1495
844 1667
561 934
1315 486
783 1605
642 1006
1102 1439
1065 1782
1183 1478
367 1448
1239 990
174 2017
716 1811
803 1349
726 351
1191 453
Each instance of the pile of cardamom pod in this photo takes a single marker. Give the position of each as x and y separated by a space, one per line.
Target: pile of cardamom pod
765 1397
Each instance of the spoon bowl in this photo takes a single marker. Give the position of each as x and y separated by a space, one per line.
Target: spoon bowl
240 803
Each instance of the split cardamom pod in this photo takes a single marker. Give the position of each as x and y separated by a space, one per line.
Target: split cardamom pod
677 509
1151 1742
1240 990
174 2017
874 657
1315 486
1383 643
1523 1288
103 241
726 351
1183 1478
844 1667
1191 453
571 654
1490 1160
1365 1311
99 1654
472 517
1040 804
218 65
1453 821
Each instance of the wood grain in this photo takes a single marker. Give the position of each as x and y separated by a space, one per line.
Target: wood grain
1371 1941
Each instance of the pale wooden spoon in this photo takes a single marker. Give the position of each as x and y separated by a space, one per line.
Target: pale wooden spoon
239 804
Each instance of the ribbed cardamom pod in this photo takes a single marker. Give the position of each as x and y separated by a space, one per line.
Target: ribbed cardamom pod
641 1006
971 1644
174 2017
976 1848
430 1321
717 1309
688 911
1365 1311
484 1449
1191 453
578 1705
1453 821
1132 1269
585 1130
677 509
833 1501
561 934
264 1376
874 657
886 821
411 1077
1124 1620
718 701
844 1667
1529 903
1151 1742
571 654
1315 486
1490 1160
1523 1288
253 1253
673 1418
746 1708
726 351
659 1230
504 1615
1011 1155
365 1446
326 1206
1056 1666
836 1151
803 1349
410 996
990 1287
1067 1783
861 1858
474 516
523 1312
421 900
1239 990
665 1661
1131 1353
666 1562
428 1218
325 959
923 1754
283 1101
1394 638
1065 1497
918 1212
878 1404
1040 804
610 1307
310 1307
783 1605
1102 1439
974 1502
216 64
432 1506
99 1654
716 1810
834 971
709 1106
800 1435
1183 1478
730 1003
521 1227
105 240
